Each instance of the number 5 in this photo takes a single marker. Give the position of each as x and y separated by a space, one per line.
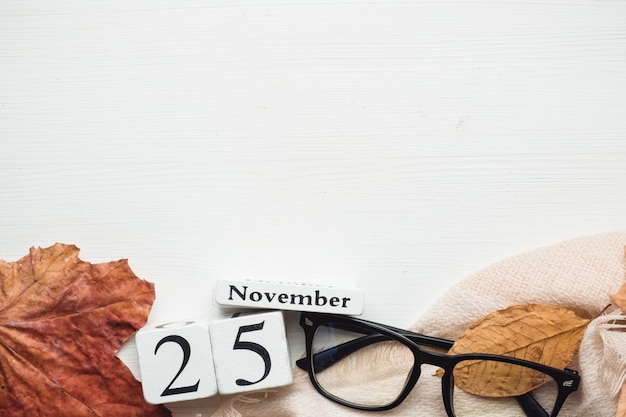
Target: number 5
250 352
254 347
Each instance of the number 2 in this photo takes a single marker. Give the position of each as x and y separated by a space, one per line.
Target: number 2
254 347
184 345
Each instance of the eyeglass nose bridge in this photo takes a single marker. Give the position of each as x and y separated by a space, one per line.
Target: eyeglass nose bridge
437 359
424 357
445 364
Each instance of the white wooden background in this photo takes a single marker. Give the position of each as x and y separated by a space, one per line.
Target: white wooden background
394 145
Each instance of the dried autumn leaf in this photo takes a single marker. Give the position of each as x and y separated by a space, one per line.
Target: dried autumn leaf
61 322
534 332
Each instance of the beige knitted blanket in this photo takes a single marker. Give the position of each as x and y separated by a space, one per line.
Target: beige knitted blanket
578 274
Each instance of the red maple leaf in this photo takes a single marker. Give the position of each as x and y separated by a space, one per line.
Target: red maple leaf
61 322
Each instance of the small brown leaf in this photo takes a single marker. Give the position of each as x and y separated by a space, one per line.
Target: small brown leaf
534 332
621 402
61 322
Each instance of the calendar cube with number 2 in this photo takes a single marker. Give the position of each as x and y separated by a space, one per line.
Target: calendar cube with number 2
176 362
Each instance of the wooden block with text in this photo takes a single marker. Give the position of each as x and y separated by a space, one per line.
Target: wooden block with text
289 296
175 361
250 352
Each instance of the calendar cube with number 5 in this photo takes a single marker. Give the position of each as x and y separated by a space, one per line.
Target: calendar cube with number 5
175 362
250 352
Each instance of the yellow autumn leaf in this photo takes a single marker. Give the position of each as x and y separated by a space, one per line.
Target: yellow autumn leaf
538 333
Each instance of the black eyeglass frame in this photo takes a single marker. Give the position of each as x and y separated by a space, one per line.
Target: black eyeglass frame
567 380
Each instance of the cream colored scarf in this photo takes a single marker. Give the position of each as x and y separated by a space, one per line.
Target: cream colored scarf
578 274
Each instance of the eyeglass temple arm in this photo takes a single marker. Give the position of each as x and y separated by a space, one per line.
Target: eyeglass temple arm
326 358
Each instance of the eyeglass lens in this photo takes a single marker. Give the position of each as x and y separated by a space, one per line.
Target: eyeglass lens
489 388
375 374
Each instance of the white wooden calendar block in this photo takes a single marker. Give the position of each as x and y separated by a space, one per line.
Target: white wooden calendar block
250 352
175 361
289 296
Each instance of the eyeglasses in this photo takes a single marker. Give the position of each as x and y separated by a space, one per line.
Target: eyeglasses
370 366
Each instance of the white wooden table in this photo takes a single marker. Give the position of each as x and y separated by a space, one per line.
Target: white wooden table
395 146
